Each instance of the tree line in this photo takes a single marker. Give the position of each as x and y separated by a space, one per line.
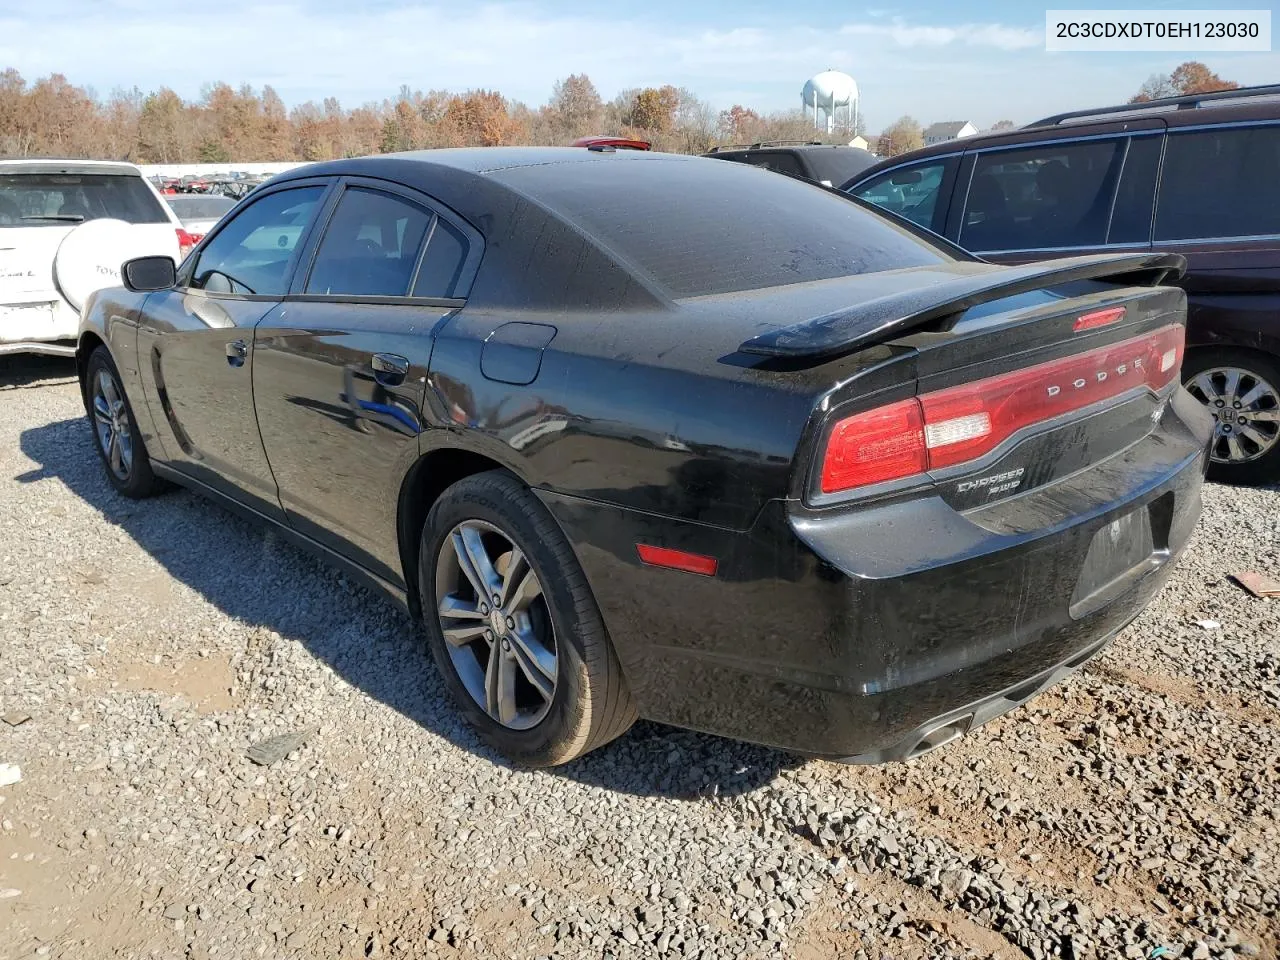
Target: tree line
53 117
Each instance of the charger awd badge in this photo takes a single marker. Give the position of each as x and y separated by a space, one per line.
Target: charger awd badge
995 484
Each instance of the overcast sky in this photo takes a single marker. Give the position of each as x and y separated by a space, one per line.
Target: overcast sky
934 60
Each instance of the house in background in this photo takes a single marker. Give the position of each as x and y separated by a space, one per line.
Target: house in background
950 130
859 142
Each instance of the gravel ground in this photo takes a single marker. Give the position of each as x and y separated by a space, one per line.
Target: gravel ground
1129 812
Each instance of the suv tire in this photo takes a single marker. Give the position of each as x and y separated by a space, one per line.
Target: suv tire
1235 385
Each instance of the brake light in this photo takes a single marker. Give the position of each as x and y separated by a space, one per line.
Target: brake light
1099 318
186 243
948 427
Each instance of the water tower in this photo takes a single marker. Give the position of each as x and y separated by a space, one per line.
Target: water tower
827 94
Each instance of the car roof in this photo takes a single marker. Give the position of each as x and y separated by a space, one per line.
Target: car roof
478 161
473 182
54 165
605 235
1223 107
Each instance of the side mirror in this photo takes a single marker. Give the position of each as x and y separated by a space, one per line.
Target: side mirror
906 177
148 274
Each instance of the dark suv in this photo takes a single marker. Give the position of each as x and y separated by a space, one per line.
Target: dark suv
824 163
1197 175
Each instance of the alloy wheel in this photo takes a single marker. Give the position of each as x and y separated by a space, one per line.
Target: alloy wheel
496 625
1246 411
111 425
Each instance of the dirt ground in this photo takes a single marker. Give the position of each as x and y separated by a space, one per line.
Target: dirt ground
1129 812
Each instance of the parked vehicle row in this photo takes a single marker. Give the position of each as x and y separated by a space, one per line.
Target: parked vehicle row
234 186
638 434
1198 176
199 213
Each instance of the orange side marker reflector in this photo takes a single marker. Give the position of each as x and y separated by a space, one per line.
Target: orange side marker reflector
677 559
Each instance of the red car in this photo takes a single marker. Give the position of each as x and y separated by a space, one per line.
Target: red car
617 143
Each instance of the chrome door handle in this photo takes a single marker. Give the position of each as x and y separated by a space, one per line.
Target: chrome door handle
389 369
237 350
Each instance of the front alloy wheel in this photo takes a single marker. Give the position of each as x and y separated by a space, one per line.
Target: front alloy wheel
495 621
111 423
115 431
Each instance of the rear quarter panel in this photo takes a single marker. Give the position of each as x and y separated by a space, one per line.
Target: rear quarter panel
634 409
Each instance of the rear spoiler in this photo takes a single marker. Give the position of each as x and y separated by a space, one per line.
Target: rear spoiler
874 321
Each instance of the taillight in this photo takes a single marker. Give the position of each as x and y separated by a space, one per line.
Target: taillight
882 444
944 428
186 243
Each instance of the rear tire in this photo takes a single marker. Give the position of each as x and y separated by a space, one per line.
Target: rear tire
115 430
1241 389
566 693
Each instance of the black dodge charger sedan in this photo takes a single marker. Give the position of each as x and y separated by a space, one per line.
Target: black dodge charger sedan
637 434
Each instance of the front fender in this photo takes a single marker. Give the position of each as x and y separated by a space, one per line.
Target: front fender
110 317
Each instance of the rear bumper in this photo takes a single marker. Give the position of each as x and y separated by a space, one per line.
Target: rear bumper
874 634
57 348
47 326
941 730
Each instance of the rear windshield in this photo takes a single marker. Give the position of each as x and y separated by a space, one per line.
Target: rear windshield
192 207
41 199
700 227
838 165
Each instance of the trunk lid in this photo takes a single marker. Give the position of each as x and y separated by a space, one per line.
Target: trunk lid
982 385
892 302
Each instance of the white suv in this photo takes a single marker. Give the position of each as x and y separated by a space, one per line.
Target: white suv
66 226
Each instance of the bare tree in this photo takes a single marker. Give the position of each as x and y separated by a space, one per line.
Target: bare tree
738 124
654 109
161 134
1186 78
902 137
575 108
1155 87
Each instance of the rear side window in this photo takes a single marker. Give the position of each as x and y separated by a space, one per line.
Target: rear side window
911 192
252 252
442 263
1131 218
371 246
1041 197
41 199
1220 183
700 227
